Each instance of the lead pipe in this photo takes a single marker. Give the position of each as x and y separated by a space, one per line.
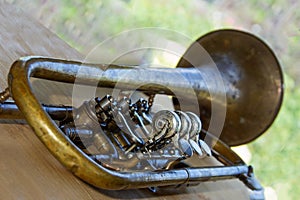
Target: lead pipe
9 110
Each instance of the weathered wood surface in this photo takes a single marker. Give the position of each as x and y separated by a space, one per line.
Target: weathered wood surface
27 169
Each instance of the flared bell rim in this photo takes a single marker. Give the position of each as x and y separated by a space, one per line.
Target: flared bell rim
236 139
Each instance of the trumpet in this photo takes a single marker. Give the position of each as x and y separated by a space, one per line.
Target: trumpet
116 142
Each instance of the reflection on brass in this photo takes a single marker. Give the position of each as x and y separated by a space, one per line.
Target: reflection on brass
107 138
250 67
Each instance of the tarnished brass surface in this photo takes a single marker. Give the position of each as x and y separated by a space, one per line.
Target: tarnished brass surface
253 89
251 73
9 110
248 65
82 166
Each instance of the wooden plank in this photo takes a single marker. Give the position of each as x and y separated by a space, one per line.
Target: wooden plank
27 169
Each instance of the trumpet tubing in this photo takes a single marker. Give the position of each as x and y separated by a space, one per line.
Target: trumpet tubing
107 138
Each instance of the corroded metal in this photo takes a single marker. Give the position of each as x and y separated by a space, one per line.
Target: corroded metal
9 110
252 77
4 95
253 82
253 90
87 169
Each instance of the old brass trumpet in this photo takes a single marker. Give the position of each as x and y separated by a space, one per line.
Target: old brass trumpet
253 89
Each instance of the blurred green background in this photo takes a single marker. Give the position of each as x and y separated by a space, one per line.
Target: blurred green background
86 23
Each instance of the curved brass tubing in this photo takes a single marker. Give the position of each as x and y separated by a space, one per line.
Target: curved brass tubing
81 165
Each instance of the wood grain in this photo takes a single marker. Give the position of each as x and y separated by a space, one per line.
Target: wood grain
27 169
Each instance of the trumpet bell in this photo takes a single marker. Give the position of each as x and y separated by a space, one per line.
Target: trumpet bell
249 65
114 143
